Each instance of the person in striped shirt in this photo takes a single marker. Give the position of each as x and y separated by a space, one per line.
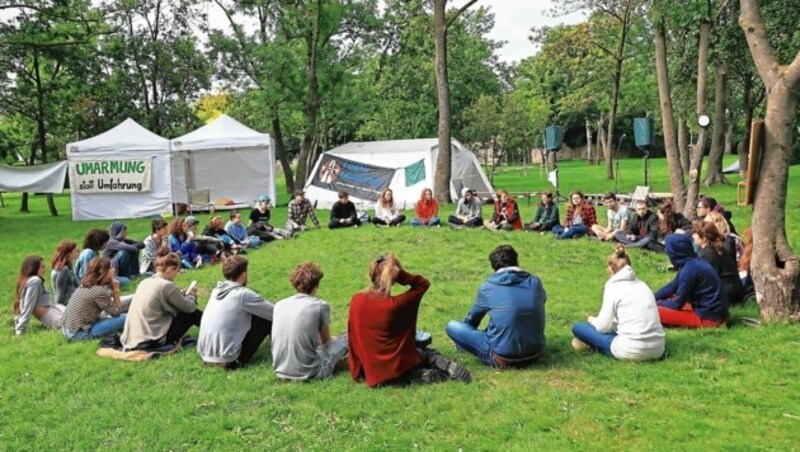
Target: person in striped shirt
97 293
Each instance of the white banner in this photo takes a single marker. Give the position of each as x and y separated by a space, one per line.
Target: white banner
110 176
47 178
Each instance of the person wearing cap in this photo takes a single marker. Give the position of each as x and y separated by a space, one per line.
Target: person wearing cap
343 213
123 252
696 297
258 222
514 300
300 208
468 211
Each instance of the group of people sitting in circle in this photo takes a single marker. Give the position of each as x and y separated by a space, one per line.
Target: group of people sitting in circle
381 345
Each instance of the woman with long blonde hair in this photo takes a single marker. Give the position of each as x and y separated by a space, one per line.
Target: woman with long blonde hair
382 330
387 212
628 326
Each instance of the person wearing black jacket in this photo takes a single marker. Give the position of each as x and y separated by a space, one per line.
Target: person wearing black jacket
642 231
343 213
712 250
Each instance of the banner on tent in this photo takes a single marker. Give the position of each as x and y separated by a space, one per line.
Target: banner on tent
358 179
111 176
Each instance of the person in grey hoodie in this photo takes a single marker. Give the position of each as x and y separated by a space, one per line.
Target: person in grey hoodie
236 319
514 300
123 252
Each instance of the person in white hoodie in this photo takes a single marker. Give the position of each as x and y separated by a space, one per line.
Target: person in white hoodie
236 320
629 303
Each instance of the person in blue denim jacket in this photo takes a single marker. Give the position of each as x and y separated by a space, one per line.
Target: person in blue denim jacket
514 300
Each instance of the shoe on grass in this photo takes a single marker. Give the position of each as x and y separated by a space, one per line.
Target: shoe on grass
431 376
451 368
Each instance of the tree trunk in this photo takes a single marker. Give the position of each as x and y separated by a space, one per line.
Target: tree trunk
747 100
588 142
280 153
313 102
695 166
601 137
714 175
667 120
774 266
612 117
441 184
727 149
683 144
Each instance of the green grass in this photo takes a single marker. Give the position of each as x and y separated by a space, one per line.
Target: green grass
735 388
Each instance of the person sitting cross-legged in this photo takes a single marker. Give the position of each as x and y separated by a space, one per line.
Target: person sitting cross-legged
302 345
160 313
236 320
514 300
628 305
506 214
581 218
617 215
98 293
546 217
236 230
300 208
343 213
426 210
387 211
642 231
258 223
381 331
468 211
696 297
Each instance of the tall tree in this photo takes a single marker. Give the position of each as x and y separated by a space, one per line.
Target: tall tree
40 44
441 183
774 266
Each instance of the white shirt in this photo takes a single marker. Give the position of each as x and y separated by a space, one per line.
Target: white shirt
630 304
615 219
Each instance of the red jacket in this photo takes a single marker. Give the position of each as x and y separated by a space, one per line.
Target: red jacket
588 215
381 330
426 209
508 212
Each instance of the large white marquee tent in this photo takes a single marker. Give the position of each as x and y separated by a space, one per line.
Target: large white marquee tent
130 172
226 157
128 141
407 166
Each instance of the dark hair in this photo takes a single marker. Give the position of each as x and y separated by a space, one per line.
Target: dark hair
176 227
640 201
708 202
234 213
669 221
234 267
609 195
61 256
306 277
343 194
98 269
503 256
170 260
95 239
30 267
157 225
710 233
299 192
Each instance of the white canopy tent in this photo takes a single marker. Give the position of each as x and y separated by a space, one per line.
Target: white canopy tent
105 162
227 158
365 169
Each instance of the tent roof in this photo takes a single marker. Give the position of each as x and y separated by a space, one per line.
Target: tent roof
387 147
223 132
127 136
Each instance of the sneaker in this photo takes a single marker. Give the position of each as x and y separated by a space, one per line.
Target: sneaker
578 344
431 376
451 368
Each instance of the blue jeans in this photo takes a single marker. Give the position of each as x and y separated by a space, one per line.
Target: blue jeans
98 329
126 264
588 334
434 221
470 339
573 232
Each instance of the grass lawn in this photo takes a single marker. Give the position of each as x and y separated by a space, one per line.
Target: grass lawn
736 388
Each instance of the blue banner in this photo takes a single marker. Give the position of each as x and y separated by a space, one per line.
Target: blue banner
360 180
